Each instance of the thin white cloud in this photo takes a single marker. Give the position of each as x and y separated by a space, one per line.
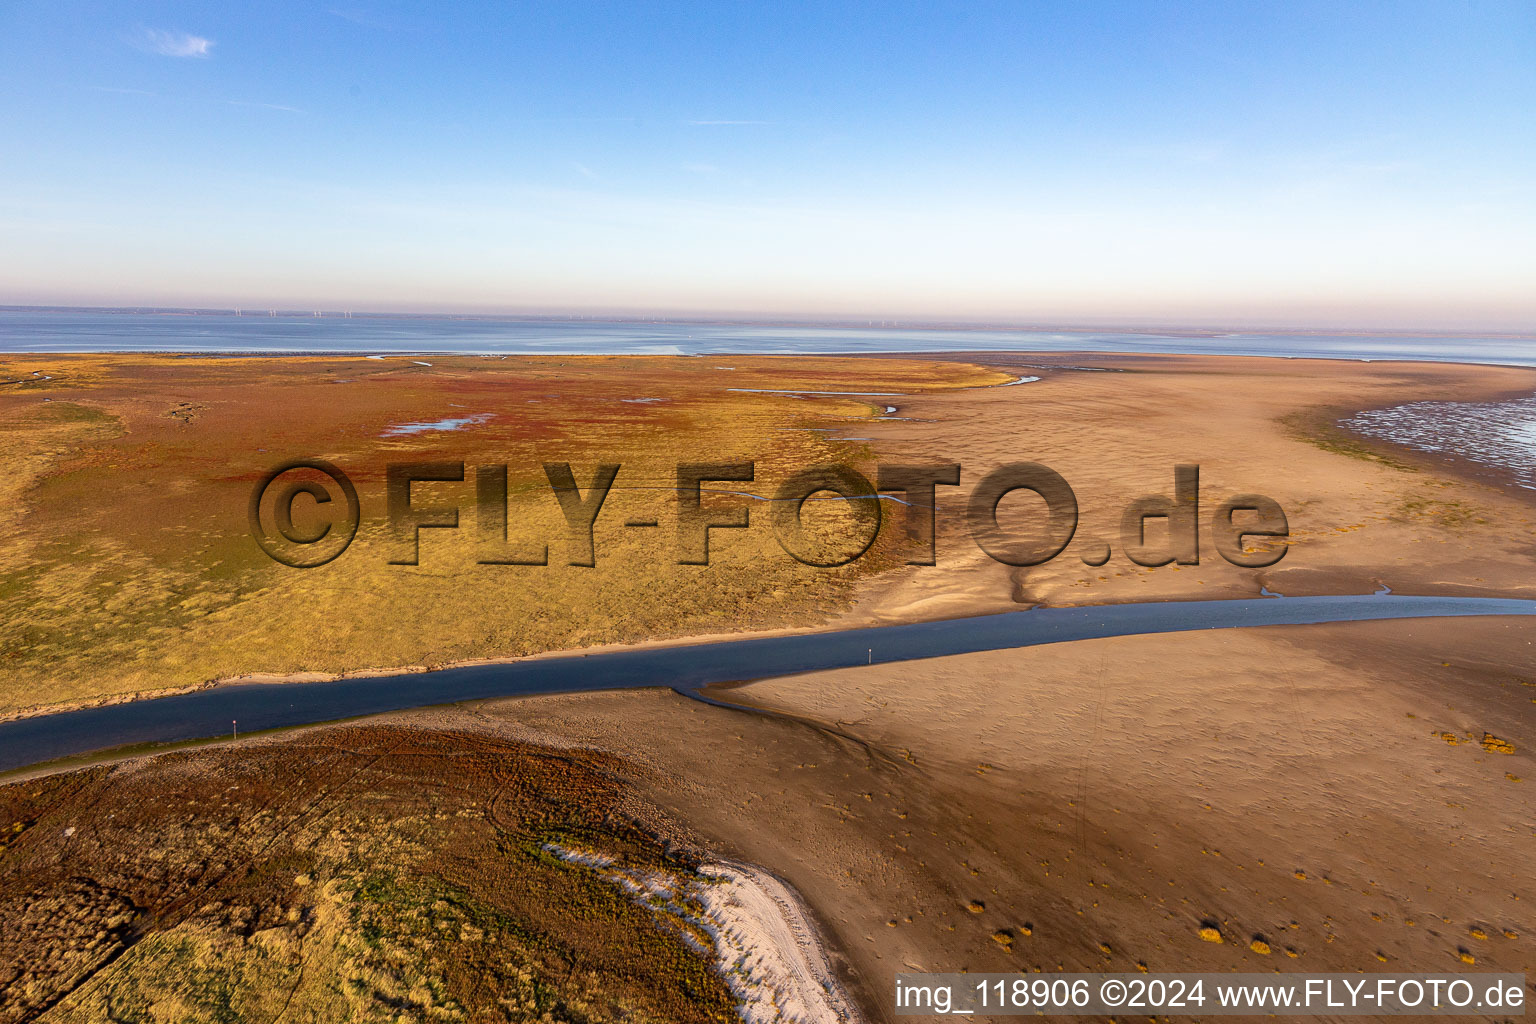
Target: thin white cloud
575 120
177 44
265 106
359 16
585 171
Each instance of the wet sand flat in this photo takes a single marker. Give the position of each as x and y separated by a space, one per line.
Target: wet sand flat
1362 515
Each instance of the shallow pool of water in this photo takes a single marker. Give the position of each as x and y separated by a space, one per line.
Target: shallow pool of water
428 426
1497 434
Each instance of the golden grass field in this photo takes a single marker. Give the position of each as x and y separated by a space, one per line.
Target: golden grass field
127 564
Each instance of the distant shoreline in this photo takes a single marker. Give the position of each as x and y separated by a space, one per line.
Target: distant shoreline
60 331
1154 328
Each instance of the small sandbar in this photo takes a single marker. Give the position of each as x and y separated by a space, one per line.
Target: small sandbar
873 394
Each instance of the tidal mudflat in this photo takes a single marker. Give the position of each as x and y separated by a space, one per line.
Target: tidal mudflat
1498 436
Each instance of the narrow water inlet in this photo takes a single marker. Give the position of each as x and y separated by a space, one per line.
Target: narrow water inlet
207 713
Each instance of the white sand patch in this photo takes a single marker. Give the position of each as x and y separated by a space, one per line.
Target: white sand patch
586 858
768 950
757 929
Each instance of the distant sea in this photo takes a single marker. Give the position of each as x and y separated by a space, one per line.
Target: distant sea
91 331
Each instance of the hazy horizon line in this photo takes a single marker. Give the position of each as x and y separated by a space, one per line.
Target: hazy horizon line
1129 325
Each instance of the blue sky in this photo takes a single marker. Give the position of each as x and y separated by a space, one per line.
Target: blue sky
1304 163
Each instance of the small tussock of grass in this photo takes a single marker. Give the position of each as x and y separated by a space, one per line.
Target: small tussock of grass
1447 515
1495 745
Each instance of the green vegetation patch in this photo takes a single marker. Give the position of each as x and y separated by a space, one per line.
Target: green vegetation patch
1322 430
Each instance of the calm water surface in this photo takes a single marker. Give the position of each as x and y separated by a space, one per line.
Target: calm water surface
22 331
1498 434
